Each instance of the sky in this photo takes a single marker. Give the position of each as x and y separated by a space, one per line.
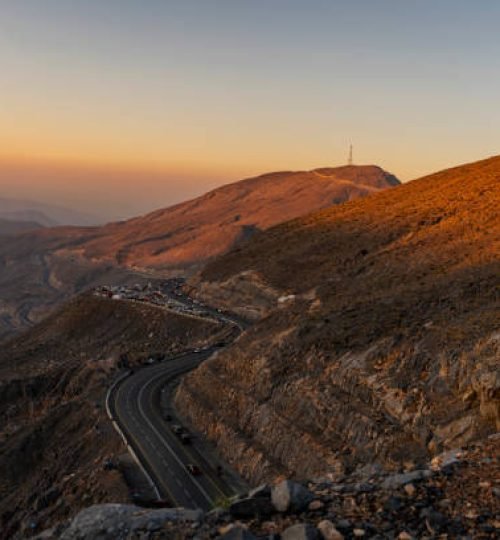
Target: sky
117 107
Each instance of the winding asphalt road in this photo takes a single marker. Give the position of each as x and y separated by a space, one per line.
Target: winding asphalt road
135 404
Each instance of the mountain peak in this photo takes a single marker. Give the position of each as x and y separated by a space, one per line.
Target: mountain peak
369 174
197 230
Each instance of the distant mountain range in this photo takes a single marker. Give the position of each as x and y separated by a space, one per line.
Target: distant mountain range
50 264
9 227
45 214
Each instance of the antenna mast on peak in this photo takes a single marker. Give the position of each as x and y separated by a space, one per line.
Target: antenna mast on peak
349 162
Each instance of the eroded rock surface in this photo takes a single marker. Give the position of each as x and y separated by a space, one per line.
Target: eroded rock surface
386 349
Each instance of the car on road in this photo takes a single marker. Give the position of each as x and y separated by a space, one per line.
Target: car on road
185 438
193 469
177 429
109 465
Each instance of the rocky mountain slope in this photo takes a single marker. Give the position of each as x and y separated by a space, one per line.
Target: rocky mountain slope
55 436
40 269
192 232
378 338
454 496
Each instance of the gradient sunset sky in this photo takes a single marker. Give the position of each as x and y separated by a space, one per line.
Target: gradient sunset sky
122 106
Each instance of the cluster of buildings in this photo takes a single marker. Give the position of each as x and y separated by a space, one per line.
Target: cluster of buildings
153 295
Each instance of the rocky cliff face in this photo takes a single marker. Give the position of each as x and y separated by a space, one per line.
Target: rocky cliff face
385 345
245 294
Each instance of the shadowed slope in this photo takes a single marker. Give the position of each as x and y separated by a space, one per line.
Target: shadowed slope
442 215
389 349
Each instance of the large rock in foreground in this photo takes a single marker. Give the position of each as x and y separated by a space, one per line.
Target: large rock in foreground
290 496
113 521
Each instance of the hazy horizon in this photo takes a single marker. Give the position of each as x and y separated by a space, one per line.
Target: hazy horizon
119 107
123 194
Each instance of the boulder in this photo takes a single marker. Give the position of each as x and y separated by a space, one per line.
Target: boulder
410 490
396 481
301 531
328 530
316 505
290 496
111 521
